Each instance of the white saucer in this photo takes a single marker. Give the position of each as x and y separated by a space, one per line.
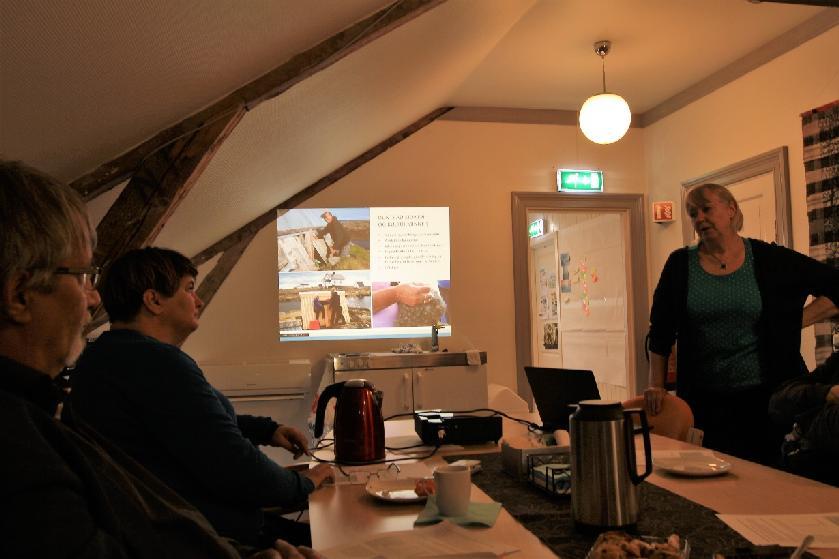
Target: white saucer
691 463
395 490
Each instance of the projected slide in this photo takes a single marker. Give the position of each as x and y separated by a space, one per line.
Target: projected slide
351 273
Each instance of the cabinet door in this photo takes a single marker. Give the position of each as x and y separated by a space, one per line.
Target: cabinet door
450 388
395 385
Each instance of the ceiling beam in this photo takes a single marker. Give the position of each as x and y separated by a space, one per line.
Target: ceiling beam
157 188
825 3
249 230
154 192
271 84
213 280
798 35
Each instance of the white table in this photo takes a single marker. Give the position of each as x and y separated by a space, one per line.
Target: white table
343 514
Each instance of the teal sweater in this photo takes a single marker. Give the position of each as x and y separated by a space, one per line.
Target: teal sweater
785 278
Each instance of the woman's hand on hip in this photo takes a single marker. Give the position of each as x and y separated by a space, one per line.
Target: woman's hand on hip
653 398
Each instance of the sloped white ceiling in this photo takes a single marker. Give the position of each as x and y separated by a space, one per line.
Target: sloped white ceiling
82 82
659 48
289 142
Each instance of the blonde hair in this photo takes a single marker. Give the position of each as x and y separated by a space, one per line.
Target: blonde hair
698 195
42 222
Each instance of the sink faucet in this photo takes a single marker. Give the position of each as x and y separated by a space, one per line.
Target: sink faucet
435 345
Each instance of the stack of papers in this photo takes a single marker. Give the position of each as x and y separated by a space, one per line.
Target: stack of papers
786 529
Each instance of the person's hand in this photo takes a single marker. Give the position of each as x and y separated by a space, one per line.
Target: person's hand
411 295
291 439
319 474
284 550
653 396
833 395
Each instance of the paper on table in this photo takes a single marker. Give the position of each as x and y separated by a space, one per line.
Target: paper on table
786 529
440 540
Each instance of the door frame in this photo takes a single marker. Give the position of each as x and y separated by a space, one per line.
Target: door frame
637 304
775 161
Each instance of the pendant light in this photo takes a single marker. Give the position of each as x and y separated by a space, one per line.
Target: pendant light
604 118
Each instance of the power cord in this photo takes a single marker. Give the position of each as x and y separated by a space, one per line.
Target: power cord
530 424
531 427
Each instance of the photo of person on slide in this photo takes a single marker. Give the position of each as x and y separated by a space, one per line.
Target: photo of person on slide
330 239
336 231
409 303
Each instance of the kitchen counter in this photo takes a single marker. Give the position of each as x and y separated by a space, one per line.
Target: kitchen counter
389 360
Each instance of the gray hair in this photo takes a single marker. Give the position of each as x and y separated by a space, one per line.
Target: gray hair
698 195
42 222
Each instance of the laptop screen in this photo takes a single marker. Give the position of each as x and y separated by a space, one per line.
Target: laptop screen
555 389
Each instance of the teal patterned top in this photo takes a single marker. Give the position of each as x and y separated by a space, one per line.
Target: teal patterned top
724 312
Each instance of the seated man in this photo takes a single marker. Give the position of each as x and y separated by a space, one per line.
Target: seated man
136 387
811 404
69 493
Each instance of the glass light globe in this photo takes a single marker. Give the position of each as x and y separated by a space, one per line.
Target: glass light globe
605 118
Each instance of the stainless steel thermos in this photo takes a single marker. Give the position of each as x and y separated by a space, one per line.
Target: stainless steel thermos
604 476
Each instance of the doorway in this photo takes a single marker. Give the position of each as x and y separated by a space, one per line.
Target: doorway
581 288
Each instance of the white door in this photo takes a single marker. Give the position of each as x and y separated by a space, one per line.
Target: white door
756 197
583 267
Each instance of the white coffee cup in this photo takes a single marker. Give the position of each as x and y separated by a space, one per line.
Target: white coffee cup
454 487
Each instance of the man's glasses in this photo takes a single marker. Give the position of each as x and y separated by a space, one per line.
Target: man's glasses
89 275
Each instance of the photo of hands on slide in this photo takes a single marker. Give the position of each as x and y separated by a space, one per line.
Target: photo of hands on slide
410 303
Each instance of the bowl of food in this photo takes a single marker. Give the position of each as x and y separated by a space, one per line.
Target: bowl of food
620 545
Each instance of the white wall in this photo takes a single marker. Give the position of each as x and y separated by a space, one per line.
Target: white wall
751 115
473 168
470 167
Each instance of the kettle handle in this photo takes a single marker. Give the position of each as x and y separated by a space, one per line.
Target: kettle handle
331 391
631 431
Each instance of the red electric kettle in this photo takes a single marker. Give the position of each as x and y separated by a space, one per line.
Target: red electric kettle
359 429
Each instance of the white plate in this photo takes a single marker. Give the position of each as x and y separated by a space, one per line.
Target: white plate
692 463
395 490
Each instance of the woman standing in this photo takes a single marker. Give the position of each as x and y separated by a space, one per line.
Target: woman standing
736 307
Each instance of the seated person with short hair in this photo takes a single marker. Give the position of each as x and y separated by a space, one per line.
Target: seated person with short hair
136 387
69 493
810 403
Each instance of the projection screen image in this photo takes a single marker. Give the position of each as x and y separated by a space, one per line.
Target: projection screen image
354 273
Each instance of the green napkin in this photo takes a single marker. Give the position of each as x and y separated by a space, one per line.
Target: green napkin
478 513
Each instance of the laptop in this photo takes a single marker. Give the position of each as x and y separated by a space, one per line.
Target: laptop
556 389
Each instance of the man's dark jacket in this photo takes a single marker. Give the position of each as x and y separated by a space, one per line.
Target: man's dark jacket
69 494
152 400
803 401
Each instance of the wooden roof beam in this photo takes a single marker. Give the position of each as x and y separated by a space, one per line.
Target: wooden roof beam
269 85
162 181
250 229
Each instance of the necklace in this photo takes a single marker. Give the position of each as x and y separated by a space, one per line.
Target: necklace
717 258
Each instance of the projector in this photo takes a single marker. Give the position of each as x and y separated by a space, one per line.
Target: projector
436 427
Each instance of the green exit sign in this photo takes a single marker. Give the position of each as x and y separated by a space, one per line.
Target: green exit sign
575 180
536 228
